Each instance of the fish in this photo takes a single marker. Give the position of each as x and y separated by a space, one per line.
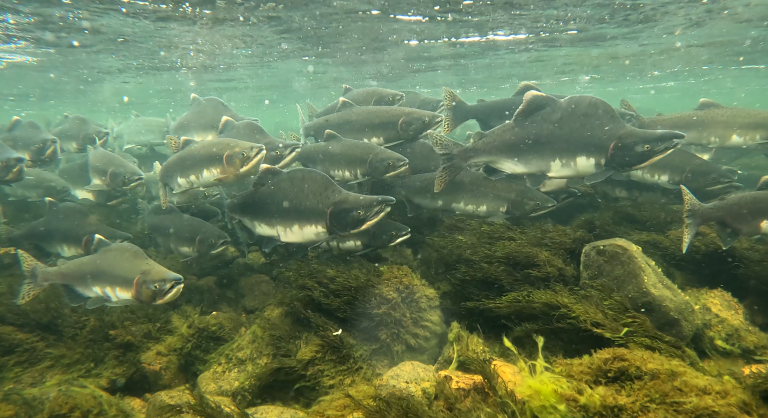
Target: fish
416 100
471 193
422 157
29 139
711 124
76 174
65 230
115 274
575 137
279 152
12 165
680 167
380 125
371 96
350 161
739 215
721 156
76 133
383 234
201 122
182 234
208 163
488 113
139 134
303 205
108 171
37 185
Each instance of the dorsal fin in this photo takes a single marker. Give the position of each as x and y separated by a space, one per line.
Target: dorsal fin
346 89
96 244
705 104
345 104
294 137
67 116
481 100
135 114
15 123
282 136
628 107
266 174
525 87
226 124
311 111
477 136
51 204
533 102
762 185
331 136
194 100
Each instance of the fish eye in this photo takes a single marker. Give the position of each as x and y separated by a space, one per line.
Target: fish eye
213 242
537 204
359 213
646 147
244 154
155 286
389 162
277 152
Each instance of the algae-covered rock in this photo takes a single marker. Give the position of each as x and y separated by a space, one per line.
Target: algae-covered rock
463 351
616 266
171 403
462 383
409 378
272 411
724 330
343 403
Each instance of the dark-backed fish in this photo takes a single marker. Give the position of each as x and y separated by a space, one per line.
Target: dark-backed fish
416 100
76 133
422 157
139 134
182 234
383 234
114 275
369 96
111 172
201 122
12 165
680 167
29 139
37 185
279 152
304 205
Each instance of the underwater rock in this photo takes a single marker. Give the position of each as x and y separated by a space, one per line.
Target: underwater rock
463 347
463 383
618 267
138 406
409 378
61 398
509 374
343 403
725 332
271 411
171 404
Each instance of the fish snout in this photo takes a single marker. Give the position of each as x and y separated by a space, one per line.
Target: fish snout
174 284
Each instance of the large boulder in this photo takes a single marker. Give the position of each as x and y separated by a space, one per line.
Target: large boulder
409 379
617 267
272 411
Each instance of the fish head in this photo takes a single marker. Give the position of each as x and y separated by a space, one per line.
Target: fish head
391 99
417 123
357 212
12 165
245 158
530 202
282 155
125 179
389 233
211 243
635 148
157 290
385 163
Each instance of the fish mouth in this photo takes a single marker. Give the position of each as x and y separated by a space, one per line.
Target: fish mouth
375 217
438 124
289 157
543 209
400 239
400 100
17 174
727 187
135 183
222 246
255 161
53 152
656 158
402 167
172 293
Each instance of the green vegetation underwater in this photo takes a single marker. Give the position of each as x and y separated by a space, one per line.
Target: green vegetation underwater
480 209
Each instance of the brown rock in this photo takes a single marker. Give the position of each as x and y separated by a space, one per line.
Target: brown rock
462 383
170 403
409 378
136 404
509 374
272 411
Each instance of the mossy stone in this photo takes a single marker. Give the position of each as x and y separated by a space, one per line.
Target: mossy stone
273 411
410 379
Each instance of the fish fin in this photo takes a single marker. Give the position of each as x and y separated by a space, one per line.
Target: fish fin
168 122
705 104
620 176
282 136
481 100
446 172
345 104
174 142
457 111
330 136
95 243
95 302
163 191
668 185
533 102
73 297
367 250
525 87
412 208
15 124
726 234
122 302
294 137
476 136
51 204
31 268
311 111
498 218
135 114
302 121
442 144
226 123
89 149
493 173
624 105
762 185
269 244
346 89
691 210
266 174
95 187
535 180
599 176
195 100
156 167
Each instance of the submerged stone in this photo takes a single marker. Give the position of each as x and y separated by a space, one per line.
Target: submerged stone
463 383
410 379
272 411
171 404
618 267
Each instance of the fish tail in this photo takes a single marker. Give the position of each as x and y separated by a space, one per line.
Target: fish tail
31 286
442 144
692 209
163 196
450 168
174 142
457 111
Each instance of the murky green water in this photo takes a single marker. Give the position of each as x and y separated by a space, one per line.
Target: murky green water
445 323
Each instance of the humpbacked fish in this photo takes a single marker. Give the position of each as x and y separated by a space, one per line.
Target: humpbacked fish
280 153
201 122
114 275
370 96
575 137
29 139
139 134
416 100
303 205
111 172
712 124
383 234
182 234
37 185
76 133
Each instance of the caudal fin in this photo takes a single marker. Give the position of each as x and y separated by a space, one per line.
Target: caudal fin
31 286
451 166
691 217
457 111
